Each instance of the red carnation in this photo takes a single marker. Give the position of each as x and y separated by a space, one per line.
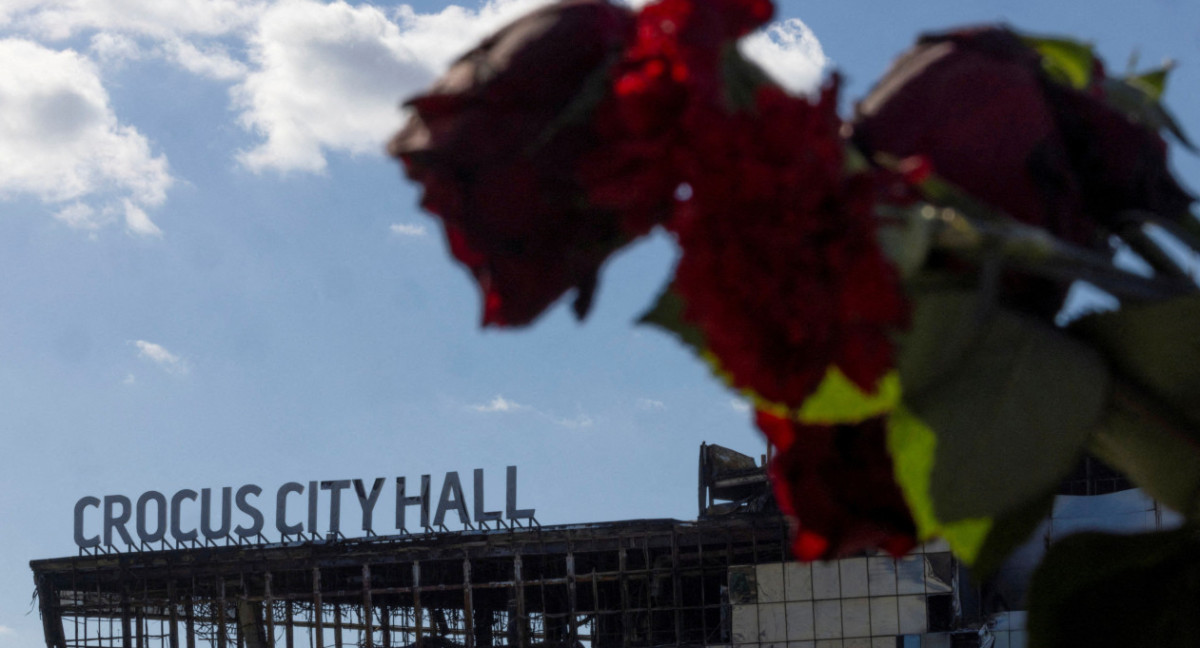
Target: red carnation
496 142
980 106
836 483
668 89
780 268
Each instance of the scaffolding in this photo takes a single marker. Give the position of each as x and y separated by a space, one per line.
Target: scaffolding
621 584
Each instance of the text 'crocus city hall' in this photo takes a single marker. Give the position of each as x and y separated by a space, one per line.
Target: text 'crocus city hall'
431 565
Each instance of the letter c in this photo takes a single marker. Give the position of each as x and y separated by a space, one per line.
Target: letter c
83 503
281 509
176 501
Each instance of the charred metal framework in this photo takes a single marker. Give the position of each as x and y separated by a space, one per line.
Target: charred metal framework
621 584
1093 477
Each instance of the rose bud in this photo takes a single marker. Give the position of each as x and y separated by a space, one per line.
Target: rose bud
496 141
980 106
837 486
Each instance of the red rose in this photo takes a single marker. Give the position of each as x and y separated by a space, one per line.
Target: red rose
836 483
979 105
566 135
496 142
1121 166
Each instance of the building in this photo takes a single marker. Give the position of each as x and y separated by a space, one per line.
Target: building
721 580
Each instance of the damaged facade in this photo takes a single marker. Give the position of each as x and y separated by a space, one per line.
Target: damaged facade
722 580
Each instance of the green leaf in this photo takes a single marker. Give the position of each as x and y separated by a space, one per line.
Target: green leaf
1139 96
1005 394
1162 462
1168 122
1010 531
591 92
939 338
837 399
1151 430
1190 225
1157 346
1067 61
742 79
982 543
1112 591
913 447
908 240
667 314
1138 103
1152 83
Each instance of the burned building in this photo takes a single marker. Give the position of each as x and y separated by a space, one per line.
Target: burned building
724 579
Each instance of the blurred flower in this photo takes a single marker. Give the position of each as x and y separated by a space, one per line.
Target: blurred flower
564 136
837 484
496 142
780 268
980 106
670 87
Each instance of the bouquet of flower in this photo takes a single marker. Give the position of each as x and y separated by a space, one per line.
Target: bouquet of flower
886 289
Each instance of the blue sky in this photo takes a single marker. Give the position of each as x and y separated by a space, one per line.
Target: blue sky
211 276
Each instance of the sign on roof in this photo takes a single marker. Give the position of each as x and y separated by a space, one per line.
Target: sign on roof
188 516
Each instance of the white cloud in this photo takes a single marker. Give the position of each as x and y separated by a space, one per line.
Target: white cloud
61 142
650 404
111 48
441 37
137 222
321 77
121 24
739 405
364 63
210 61
330 77
581 421
327 77
10 9
499 404
59 19
407 229
81 216
503 405
129 379
160 356
790 52
5 631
